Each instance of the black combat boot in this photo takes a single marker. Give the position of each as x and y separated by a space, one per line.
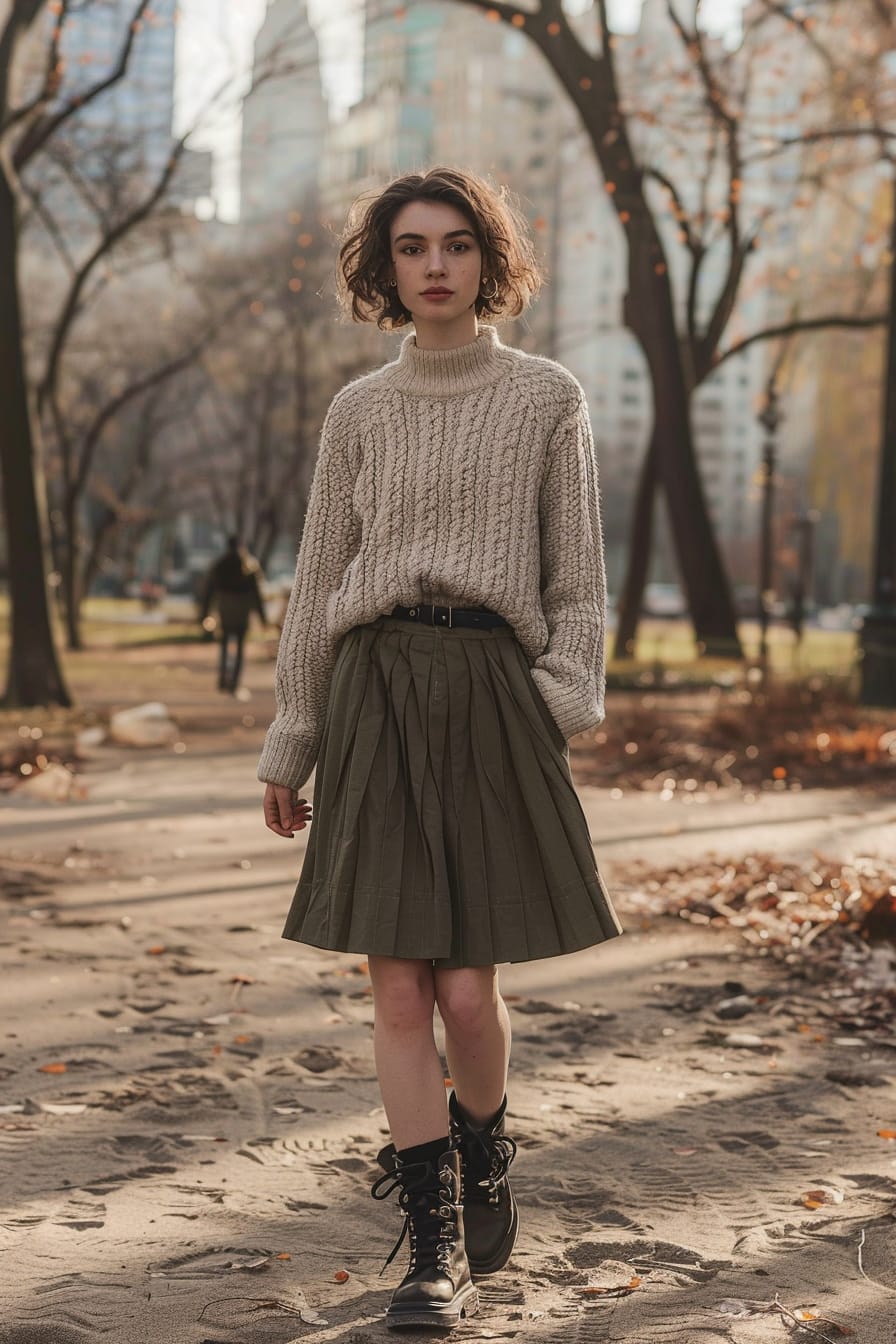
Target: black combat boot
437 1289
491 1218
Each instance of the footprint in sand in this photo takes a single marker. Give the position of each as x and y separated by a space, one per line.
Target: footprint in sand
319 1059
744 1139
81 1215
211 1263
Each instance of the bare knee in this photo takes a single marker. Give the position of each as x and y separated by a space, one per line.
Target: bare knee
467 998
403 993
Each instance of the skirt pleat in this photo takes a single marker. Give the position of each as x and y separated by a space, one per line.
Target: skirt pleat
446 823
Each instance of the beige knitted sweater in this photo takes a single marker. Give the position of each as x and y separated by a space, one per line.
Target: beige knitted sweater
464 477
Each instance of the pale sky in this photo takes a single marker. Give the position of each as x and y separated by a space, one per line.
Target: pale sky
216 36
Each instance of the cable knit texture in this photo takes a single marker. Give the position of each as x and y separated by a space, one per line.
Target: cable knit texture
462 477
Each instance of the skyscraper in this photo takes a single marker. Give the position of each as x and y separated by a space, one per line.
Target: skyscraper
284 115
133 119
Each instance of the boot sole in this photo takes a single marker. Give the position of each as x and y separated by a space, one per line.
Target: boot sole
500 1260
449 1313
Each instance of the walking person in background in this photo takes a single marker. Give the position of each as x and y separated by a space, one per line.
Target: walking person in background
443 641
233 587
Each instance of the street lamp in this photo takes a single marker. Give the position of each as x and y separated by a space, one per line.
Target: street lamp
804 526
769 418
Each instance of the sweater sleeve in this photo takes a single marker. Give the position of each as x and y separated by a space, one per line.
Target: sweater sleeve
306 654
570 672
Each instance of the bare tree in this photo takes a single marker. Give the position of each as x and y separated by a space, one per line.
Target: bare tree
35 127
263 398
681 335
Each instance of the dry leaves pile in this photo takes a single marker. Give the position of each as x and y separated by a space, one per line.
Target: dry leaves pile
804 736
775 903
825 918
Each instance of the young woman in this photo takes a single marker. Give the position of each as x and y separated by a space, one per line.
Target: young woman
444 639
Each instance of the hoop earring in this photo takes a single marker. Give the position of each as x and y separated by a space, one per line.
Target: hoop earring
393 283
494 293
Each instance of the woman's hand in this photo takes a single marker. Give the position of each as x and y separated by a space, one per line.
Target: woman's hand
284 813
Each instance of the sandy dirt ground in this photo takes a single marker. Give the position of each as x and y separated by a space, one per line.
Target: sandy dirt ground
190 1116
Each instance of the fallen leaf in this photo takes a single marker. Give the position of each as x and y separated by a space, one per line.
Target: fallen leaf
886 1133
157 950
284 1255
612 1290
53 1068
825 1194
342 1276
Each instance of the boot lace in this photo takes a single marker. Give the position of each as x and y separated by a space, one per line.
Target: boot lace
498 1150
414 1201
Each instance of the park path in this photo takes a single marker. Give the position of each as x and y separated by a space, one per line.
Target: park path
189 1113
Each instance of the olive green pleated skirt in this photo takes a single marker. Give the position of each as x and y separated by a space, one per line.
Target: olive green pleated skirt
446 823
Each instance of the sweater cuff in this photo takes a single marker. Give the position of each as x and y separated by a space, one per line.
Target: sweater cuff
286 760
573 711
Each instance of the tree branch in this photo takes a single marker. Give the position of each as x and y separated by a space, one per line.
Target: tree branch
105 244
21 15
52 77
693 243
43 128
815 137
803 324
725 305
50 224
730 127
137 388
804 25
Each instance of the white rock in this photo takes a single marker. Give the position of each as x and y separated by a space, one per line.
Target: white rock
90 737
148 725
53 784
745 1040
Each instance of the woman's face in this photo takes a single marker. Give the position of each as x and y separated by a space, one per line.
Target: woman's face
435 249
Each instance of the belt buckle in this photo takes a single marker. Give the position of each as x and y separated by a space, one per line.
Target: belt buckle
449 611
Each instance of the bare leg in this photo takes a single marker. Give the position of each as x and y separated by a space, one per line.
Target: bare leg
477 1037
408 1067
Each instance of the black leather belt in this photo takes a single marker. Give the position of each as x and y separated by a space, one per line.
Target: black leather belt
427 614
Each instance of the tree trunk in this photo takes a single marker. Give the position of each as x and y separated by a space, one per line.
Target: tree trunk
649 313
878 635
72 591
34 676
650 316
640 541
103 532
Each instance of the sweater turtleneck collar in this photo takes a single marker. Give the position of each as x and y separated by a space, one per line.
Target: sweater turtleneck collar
451 373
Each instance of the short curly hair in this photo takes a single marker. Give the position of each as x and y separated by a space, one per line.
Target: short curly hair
494 214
